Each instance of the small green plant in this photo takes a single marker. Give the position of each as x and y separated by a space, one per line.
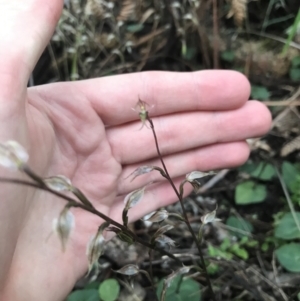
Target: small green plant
250 192
179 289
260 92
288 256
109 290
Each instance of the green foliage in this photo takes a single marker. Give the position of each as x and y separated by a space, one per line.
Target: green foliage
289 174
289 256
189 290
287 228
227 249
260 92
135 27
212 268
240 224
250 192
190 53
292 33
295 190
228 56
261 170
84 295
109 290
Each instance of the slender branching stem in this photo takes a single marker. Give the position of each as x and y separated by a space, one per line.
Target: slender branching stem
183 209
40 185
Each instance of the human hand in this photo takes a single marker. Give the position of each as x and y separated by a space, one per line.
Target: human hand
87 131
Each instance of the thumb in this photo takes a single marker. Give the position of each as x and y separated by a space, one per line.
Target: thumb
25 29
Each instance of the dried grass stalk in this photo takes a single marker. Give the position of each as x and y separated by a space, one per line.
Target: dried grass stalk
128 10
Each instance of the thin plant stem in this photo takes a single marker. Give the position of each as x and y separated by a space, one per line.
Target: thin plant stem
183 209
40 185
179 284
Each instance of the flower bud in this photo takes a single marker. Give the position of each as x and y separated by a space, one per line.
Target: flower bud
12 155
63 225
58 183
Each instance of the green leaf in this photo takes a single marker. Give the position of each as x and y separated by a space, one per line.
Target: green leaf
189 290
240 252
289 256
190 53
289 174
264 171
287 228
84 295
228 56
296 62
260 92
218 252
240 224
250 193
109 290
135 27
261 170
93 284
294 74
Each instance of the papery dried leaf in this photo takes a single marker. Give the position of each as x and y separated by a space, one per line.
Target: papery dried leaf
12 155
94 8
134 197
58 183
158 216
63 225
290 147
140 171
129 270
238 11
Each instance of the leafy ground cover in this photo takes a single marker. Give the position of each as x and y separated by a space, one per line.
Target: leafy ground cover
253 252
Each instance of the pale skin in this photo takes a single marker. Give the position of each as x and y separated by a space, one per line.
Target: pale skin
87 131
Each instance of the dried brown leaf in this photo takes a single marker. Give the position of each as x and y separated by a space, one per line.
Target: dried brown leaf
238 11
290 147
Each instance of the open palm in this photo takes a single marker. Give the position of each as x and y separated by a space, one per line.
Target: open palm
87 131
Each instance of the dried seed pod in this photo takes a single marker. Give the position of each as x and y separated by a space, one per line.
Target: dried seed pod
95 247
58 183
63 225
168 280
192 176
13 155
129 270
165 240
134 197
140 171
158 216
209 217
163 230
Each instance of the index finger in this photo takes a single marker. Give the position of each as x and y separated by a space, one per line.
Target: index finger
168 92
